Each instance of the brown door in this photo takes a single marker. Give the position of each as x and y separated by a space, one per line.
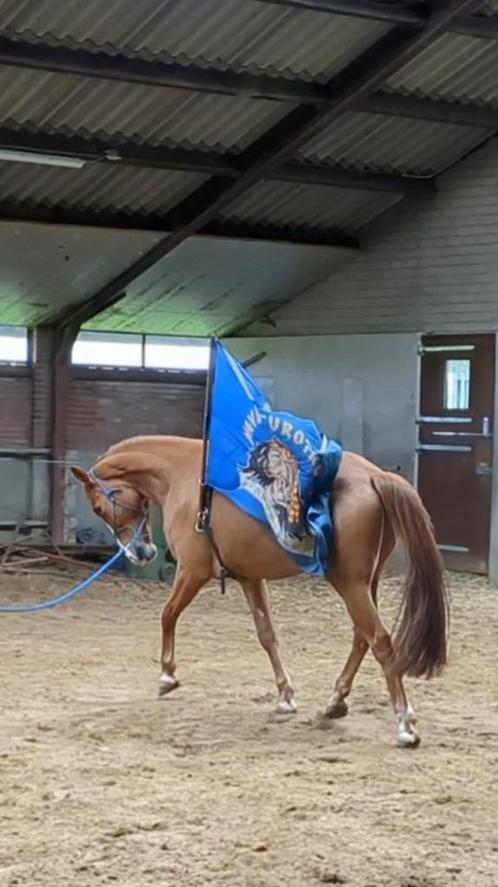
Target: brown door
455 448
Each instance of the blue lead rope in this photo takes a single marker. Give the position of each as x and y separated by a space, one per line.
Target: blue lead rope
68 595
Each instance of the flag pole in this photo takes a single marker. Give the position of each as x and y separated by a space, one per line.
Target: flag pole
203 523
203 512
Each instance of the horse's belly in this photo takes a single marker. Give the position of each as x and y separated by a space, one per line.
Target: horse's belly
247 547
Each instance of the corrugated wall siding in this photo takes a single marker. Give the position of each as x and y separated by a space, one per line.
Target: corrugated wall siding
429 265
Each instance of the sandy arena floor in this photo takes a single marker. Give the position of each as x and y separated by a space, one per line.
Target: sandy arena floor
102 783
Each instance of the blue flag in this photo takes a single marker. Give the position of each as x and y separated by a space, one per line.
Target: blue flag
274 466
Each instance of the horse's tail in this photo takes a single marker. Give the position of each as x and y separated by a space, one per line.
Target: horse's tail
420 641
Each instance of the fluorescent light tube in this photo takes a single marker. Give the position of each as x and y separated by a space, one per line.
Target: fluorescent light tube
45 159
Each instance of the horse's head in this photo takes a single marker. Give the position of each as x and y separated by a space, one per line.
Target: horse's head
125 511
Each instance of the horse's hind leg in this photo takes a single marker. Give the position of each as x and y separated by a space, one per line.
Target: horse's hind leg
338 706
259 604
367 620
185 588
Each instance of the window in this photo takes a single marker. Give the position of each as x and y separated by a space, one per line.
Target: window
457 384
13 344
175 354
108 350
140 351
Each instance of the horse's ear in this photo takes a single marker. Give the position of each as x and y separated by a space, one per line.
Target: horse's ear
81 475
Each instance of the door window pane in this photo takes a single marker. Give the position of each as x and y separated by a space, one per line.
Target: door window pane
457 385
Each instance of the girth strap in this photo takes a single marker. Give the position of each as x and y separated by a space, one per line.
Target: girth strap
203 525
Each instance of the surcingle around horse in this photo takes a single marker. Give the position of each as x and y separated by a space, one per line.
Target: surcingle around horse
372 509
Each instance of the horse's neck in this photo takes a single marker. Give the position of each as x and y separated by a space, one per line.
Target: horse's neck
164 446
171 459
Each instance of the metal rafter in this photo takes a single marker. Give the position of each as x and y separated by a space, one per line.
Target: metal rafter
366 74
118 151
63 60
393 104
409 14
314 174
193 77
27 211
127 153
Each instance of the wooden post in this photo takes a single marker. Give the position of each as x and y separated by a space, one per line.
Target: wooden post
61 378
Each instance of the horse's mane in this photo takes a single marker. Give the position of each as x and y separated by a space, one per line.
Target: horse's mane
149 443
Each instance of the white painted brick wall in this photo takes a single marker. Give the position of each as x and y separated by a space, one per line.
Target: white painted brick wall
430 264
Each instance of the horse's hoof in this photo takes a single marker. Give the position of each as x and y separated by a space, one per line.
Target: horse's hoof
337 708
167 684
286 707
408 738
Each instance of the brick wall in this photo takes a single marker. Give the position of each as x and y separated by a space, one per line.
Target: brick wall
429 264
102 412
15 410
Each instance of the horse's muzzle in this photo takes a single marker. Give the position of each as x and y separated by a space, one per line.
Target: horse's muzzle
145 552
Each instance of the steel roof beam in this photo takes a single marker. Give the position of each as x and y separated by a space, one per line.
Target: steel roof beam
38 56
483 26
118 152
313 174
27 211
411 15
62 60
277 233
394 104
200 162
283 140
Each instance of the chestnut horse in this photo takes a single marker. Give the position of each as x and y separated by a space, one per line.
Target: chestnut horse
372 509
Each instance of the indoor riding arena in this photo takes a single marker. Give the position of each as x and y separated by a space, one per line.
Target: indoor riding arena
306 190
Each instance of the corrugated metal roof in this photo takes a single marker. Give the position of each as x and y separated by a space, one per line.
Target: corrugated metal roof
234 33
48 267
148 113
228 278
97 186
454 67
276 202
395 144
207 285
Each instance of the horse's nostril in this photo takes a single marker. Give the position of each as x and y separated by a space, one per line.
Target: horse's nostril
145 551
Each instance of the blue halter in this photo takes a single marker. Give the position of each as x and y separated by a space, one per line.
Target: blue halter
110 494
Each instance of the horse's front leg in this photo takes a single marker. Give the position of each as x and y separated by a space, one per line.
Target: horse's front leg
185 588
259 603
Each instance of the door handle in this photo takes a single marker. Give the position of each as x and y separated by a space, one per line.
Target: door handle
483 469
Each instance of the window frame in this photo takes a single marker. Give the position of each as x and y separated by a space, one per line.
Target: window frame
115 370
